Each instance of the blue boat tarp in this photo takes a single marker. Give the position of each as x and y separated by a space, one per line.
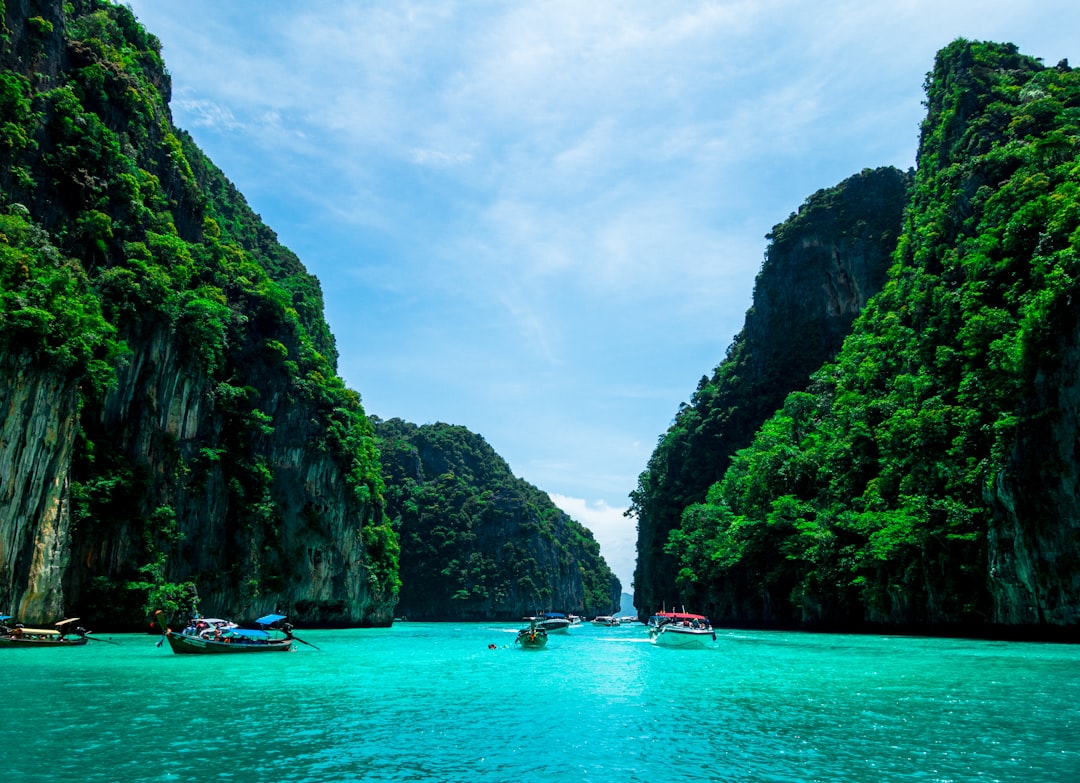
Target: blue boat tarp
4 617
554 614
270 619
247 633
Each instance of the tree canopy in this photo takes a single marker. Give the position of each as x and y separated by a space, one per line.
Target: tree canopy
870 496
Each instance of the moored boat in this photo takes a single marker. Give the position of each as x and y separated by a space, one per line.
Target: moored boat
212 636
553 622
681 629
605 621
532 637
63 634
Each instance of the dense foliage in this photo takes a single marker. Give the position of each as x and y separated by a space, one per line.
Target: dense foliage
115 227
477 542
868 498
821 265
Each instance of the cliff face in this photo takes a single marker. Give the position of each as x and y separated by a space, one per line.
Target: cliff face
927 478
173 422
998 122
1033 539
174 430
37 432
821 267
478 543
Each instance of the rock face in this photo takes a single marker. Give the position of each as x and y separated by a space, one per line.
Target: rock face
478 543
172 419
1033 541
926 480
821 267
37 433
305 556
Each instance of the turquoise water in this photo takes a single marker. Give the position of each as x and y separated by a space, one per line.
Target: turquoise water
432 702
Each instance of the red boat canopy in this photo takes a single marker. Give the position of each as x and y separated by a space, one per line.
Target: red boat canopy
681 616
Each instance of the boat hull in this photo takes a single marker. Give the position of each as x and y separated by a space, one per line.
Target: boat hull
682 638
10 641
680 629
183 644
531 639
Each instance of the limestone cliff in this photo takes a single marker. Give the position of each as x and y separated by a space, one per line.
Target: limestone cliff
1033 541
172 417
38 418
822 265
926 480
477 543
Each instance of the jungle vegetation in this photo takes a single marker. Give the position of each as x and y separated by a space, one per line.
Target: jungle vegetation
869 496
114 225
478 542
821 265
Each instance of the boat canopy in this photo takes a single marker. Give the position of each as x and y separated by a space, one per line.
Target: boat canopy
249 633
680 616
4 617
554 614
215 621
270 619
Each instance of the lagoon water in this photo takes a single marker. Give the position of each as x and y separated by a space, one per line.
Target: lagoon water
432 702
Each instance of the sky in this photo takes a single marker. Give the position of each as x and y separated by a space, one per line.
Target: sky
543 220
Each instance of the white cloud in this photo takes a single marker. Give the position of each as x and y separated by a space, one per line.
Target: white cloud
207 114
613 531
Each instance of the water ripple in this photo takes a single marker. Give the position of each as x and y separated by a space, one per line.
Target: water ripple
425 702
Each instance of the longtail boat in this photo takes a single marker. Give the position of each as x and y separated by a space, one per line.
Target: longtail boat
533 637
63 634
212 636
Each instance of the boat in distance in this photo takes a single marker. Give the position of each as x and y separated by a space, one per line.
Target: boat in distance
681 629
61 635
212 636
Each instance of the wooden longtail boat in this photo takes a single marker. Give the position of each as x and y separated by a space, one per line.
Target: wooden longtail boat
210 636
531 638
61 635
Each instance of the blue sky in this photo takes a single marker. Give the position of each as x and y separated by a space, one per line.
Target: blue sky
543 221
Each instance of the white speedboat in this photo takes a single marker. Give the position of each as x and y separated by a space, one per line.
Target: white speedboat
553 622
605 621
680 629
